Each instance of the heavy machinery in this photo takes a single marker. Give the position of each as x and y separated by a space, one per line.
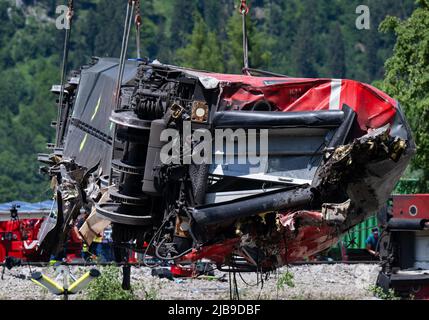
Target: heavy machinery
250 171
21 226
18 233
404 247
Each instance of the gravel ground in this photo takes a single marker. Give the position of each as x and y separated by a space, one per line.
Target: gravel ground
339 281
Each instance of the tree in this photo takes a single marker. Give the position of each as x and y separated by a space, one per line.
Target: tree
258 45
303 53
203 50
152 30
407 79
234 45
182 22
109 20
336 52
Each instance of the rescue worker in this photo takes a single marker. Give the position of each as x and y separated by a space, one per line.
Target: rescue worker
372 243
80 221
96 247
107 250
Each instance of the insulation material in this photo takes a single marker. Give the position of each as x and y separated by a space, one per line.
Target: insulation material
94 225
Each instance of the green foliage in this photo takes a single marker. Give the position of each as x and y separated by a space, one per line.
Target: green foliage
182 22
407 186
26 105
286 279
382 294
108 286
407 79
203 51
336 50
234 47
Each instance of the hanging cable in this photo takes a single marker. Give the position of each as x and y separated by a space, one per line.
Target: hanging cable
69 18
244 11
138 22
121 68
124 47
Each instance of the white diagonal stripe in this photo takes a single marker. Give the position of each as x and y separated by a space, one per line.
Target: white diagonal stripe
334 100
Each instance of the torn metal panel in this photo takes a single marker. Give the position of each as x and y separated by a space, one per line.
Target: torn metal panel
336 212
292 221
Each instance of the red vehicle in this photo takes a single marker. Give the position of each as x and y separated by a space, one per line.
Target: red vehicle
404 247
19 231
18 239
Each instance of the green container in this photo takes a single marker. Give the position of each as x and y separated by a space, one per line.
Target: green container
356 237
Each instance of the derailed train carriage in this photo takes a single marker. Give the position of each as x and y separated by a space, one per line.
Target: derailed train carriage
335 150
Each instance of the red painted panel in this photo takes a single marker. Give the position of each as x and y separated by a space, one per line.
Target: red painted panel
414 206
374 108
23 244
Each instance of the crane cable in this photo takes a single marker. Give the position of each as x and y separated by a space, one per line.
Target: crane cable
124 47
121 67
138 22
244 11
69 18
